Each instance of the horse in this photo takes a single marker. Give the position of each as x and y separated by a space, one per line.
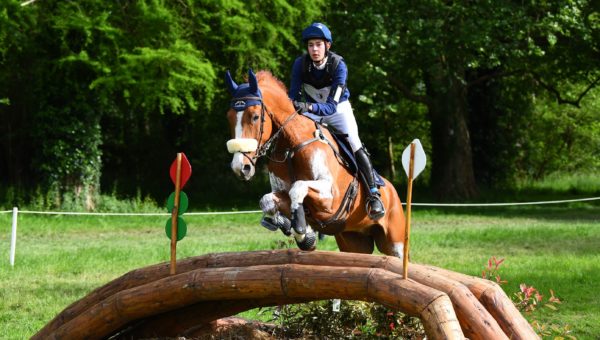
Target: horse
312 188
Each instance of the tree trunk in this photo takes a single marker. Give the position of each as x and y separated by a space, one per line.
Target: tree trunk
452 174
391 157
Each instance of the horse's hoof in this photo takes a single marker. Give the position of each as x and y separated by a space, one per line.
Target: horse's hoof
277 222
268 223
309 241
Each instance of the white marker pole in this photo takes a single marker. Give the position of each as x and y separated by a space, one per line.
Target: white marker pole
13 238
413 161
411 168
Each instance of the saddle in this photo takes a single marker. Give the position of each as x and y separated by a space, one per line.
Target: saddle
346 154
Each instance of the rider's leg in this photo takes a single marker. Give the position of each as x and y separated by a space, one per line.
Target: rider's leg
374 207
344 122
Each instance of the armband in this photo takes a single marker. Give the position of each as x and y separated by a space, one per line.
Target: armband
339 90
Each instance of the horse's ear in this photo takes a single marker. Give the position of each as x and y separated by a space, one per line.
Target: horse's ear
230 83
252 81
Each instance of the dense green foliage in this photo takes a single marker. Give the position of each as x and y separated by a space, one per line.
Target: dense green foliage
60 259
98 96
479 75
105 93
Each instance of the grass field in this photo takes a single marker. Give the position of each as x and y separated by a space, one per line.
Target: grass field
60 259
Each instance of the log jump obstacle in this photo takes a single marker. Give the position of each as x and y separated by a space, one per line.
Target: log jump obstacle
149 302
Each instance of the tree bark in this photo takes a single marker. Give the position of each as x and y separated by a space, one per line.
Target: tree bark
390 148
452 175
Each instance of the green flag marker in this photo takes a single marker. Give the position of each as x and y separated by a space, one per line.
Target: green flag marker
183 203
181 228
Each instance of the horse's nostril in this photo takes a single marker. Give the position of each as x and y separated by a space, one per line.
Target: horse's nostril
246 169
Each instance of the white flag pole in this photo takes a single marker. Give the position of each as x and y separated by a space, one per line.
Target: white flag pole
13 238
408 204
413 161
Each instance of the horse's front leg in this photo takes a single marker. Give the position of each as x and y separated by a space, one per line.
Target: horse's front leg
303 233
275 206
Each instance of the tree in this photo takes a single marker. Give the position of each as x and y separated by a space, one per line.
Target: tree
99 89
428 52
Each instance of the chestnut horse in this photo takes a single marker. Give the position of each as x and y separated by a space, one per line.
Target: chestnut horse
306 172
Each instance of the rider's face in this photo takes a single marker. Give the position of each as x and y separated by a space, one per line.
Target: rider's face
316 49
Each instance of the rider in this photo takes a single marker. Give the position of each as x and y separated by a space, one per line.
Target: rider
318 89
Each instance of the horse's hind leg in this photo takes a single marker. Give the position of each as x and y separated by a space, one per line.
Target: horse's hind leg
389 238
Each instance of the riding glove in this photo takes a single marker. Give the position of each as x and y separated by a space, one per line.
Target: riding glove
301 106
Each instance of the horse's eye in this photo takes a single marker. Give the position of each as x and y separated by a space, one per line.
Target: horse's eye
255 118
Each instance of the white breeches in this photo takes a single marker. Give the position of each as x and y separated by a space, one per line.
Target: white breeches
342 121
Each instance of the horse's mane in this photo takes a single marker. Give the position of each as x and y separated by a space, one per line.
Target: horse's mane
267 79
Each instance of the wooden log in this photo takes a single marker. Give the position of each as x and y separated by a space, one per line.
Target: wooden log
138 277
495 301
292 281
186 321
476 321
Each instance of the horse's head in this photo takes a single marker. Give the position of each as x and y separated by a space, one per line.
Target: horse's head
248 123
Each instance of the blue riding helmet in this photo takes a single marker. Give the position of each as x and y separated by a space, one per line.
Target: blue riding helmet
316 31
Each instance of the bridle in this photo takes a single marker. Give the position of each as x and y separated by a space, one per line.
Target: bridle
262 150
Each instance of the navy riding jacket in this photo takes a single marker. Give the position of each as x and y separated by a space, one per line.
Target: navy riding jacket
339 77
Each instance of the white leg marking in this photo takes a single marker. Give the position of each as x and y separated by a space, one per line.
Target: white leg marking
268 204
277 184
322 182
399 249
320 172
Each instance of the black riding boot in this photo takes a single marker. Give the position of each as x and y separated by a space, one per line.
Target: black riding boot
374 206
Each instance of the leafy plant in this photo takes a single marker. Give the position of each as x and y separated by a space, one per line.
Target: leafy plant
491 270
354 319
528 299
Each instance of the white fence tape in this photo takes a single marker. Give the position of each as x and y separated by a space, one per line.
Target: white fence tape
503 204
16 211
258 211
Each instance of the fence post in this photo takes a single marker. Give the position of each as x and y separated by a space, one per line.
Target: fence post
13 239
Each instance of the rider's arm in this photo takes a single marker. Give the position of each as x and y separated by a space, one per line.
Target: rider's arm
339 80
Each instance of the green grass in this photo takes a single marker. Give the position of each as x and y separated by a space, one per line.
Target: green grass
62 258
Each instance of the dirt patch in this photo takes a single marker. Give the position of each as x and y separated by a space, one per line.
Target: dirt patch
234 328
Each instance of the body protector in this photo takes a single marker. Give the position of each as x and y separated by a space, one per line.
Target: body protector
318 88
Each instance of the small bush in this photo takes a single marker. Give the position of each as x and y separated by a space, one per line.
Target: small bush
355 319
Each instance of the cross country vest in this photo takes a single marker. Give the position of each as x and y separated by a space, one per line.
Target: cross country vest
333 60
